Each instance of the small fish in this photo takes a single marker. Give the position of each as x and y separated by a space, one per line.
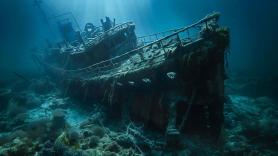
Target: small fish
119 84
131 83
146 80
171 75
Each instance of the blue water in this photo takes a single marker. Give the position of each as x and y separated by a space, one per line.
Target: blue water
251 99
253 25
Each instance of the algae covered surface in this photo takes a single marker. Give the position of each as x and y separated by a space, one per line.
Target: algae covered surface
138 78
48 123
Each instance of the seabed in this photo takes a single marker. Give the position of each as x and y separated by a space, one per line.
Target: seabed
180 112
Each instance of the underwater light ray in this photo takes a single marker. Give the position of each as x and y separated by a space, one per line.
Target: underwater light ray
156 85
139 11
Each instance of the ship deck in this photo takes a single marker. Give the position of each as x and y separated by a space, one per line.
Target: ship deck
152 53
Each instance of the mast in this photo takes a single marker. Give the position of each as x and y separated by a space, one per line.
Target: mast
38 4
46 18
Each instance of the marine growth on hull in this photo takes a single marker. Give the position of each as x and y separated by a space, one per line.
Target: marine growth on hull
107 92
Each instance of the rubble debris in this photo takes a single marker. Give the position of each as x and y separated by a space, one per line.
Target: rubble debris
58 119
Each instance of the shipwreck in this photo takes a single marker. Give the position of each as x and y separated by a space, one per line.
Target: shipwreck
171 81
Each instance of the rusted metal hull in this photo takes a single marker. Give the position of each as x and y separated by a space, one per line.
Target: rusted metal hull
168 83
198 86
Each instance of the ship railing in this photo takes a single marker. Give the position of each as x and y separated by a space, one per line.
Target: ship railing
144 40
182 36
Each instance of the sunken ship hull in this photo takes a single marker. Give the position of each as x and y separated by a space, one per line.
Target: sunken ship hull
87 51
176 82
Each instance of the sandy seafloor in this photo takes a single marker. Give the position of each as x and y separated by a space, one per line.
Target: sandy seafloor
38 119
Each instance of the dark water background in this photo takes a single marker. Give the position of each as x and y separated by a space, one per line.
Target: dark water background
253 25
